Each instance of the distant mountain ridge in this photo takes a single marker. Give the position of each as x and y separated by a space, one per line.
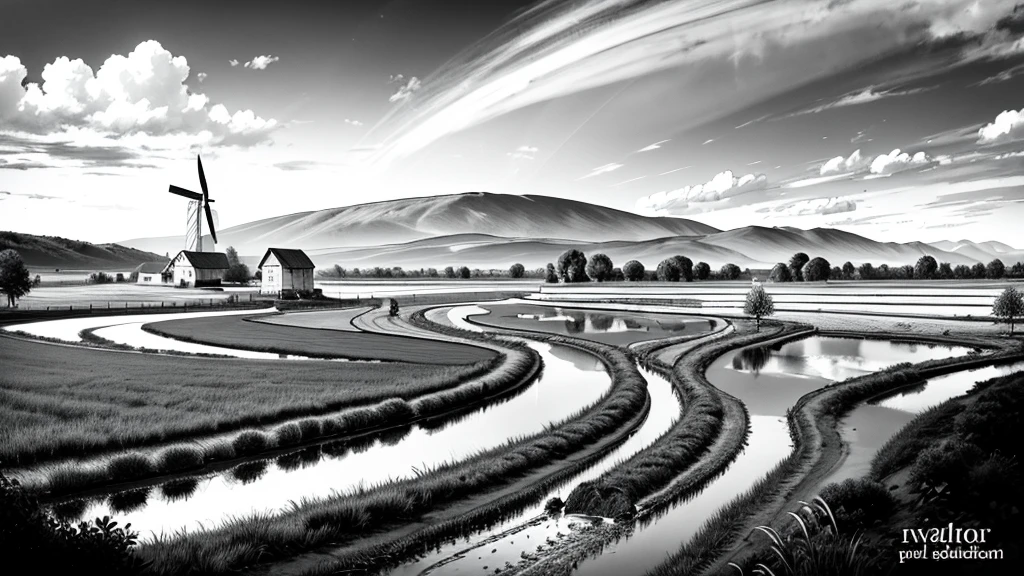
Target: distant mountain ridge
57 252
486 230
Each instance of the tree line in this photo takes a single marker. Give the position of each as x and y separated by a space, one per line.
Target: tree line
801 268
449 272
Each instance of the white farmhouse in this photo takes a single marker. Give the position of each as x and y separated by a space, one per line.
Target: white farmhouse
285 269
151 273
192 269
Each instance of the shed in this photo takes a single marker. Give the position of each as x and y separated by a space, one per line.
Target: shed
191 269
286 269
151 273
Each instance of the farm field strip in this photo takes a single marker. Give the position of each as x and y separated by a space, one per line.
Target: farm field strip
799 367
68 329
909 288
320 319
571 380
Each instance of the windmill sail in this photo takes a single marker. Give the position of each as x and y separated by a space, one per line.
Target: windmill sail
198 211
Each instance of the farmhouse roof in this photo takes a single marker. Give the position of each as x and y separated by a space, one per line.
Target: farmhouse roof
151 267
289 258
207 260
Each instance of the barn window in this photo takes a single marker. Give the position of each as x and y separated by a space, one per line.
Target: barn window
189 273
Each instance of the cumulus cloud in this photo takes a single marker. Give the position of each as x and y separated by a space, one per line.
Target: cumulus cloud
201 76
405 91
524 152
611 167
1008 126
840 164
813 206
261 62
651 147
233 62
141 93
353 122
897 161
723 186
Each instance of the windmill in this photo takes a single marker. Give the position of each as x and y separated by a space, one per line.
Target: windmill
199 204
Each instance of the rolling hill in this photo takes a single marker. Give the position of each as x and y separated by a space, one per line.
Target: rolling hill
406 220
56 252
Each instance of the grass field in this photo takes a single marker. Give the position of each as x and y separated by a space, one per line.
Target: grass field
58 401
238 333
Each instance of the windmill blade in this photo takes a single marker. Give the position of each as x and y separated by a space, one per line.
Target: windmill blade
202 179
186 193
209 220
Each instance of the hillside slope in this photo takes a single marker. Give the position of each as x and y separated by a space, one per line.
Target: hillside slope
57 252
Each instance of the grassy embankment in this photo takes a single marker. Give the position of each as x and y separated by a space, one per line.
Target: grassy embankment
813 425
347 518
60 401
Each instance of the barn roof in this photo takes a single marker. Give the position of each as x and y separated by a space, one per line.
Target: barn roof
207 260
151 267
289 258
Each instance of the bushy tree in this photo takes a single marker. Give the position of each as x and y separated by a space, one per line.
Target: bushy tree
600 267
978 270
961 271
702 271
796 266
393 307
730 272
848 271
1009 306
258 275
572 266
685 268
449 272
866 271
617 275
995 269
907 272
238 272
633 270
945 271
780 273
837 272
464 272
517 270
232 255
1016 271
759 304
816 270
550 276
669 271
432 273
926 268
883 272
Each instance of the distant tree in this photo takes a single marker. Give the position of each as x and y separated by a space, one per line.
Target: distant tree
1016 271
926 268
883 272
238 273
759 304
669 270
633 270
600 267
730 272
449 272
836 272
685 268
36 281
550 276
572 266
816 270
1009 306
848 270
258 275
962 271
945 271
393 307
517 270
339 272
796 266
866 271
978 270
100 278
907 272
702 271
617 275
780 273
464 272
232 255
995 269
432 273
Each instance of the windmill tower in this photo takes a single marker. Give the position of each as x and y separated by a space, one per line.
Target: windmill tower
198 207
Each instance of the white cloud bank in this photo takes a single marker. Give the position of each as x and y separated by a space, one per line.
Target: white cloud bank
1007 127
898 161
883 164
723 186
261 62
141 93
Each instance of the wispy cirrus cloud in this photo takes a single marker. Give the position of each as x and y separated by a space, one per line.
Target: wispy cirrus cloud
654 146
604 169
865 96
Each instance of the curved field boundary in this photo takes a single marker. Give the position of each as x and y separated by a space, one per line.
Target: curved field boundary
390 507
720 447
316 343
818 448
311 319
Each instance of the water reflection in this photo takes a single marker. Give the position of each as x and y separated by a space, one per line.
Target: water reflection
71 511
249 472
176 490
128 501
752 359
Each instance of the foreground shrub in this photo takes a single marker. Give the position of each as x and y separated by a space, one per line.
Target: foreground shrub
34 536
859 503
310 429
948 463
177 458
129 467
288 435
249 442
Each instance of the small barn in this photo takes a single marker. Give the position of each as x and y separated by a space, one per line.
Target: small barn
151 273
193 269
284 269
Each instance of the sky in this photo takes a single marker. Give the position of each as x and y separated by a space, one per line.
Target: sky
899 121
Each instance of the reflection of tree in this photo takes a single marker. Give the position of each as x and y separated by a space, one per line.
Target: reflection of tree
575 322
288 462
393 437
249 472
335 449
602 322
752 359
128 501
179 489
580 360
71 510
